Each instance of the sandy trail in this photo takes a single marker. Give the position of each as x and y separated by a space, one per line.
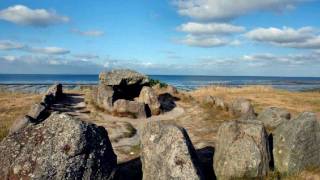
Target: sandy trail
124 132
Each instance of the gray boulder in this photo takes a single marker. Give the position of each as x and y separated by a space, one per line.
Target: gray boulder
297 144
243 109
241 150
167 153
105 97
58 148
123 77
149 97
128 108
272 117
38 112
220 103
215 101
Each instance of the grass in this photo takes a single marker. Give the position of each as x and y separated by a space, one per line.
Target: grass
12 106
264 96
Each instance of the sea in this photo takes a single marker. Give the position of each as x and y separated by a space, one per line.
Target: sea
184 82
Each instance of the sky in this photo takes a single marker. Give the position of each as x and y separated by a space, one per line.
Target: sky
161 37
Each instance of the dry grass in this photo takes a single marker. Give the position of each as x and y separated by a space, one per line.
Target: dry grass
264 96
13 106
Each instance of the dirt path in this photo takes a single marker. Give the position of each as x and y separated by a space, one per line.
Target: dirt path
124 132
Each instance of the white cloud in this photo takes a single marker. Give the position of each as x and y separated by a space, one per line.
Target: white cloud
9 58
290 59
92 33
10 45
7 45
23 15
229 9
201 41
46 64
86 57
206 41
305 37
210 28
49 50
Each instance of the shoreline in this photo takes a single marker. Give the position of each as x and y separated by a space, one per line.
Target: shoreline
42 87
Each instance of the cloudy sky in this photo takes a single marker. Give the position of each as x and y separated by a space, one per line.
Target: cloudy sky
196 37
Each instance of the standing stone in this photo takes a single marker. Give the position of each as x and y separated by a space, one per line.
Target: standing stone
243 109
241 150
149 97
58 148
272 117
297 144
105 97
128 108
167 153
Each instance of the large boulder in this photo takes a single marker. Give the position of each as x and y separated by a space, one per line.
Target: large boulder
272 117
58 148
149 97
105 97
123 77
167 153
128 108
243 109
297 144
241 150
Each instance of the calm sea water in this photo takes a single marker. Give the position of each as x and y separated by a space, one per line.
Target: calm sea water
182 82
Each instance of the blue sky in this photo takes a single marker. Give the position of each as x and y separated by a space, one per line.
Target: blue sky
198 37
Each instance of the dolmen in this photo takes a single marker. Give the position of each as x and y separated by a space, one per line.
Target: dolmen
126 93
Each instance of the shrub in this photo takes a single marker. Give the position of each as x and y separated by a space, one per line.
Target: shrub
154 82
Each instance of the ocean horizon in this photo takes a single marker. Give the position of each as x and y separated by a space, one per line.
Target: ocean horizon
184 82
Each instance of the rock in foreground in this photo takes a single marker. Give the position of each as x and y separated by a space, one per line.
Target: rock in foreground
58 148
241 150
167 153
297 144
